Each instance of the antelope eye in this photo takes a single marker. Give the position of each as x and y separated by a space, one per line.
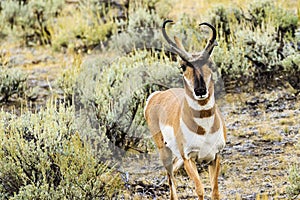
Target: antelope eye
183 67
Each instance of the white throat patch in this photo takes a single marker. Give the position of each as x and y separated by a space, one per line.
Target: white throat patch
196 106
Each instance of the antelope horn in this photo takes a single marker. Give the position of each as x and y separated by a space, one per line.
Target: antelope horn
212 41
182 53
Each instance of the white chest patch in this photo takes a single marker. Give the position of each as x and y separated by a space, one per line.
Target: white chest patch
205 123
203 147
169 139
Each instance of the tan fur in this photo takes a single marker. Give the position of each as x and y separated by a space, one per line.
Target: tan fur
188 73
216 124
159 107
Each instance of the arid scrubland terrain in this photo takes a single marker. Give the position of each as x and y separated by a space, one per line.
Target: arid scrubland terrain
75 76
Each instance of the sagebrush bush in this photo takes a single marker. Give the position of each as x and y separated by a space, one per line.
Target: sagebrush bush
120 97
48 22
257 15
142 31
252 52
291 62
42 156
67 81
12 83
257 43
115 91
93 26
30 20
294 179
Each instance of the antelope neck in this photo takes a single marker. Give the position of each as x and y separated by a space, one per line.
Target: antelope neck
198 115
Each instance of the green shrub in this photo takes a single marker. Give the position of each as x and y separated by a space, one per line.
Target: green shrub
93 26
42 156
67 82
257 15
12 83
258 12
30 20
263 12
97 25
115 92
142 31
291 62
120 97
223 19
258 43
254 55
231 60
294 179
48 22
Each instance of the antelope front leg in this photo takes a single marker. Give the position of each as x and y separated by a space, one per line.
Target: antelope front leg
214 169
166 157
172 185
191 169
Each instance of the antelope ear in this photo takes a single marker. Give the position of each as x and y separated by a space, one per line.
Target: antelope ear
178 43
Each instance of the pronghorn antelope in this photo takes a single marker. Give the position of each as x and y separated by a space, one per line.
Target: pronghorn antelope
185 123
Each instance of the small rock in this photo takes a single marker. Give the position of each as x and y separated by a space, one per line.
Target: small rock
268 185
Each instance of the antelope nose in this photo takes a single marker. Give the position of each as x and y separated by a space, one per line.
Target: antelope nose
200 91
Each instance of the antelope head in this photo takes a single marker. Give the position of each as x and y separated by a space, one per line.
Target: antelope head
196 66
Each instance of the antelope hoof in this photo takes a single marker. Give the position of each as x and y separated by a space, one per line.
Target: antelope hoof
215 197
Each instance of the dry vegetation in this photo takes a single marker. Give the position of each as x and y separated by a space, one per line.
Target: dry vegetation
74 77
